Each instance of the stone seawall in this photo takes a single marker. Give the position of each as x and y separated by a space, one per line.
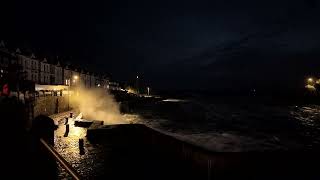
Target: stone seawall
178 159
49 105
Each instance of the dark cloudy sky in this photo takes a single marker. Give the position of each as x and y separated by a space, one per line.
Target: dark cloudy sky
177 44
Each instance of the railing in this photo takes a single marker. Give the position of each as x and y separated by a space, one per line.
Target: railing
61 160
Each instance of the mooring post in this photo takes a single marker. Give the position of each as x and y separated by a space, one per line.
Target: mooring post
67 131
66 122
81 143
81 146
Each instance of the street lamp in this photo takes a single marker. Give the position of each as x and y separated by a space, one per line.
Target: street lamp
68 82
137 84
75 78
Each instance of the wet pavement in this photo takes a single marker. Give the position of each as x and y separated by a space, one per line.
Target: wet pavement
86 161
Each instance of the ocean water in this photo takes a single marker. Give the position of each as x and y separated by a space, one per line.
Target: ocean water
234 127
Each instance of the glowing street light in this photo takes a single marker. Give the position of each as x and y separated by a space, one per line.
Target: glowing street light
137 85
74 79
68 83
310 80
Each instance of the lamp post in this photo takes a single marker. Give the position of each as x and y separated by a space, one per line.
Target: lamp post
68 81
75 78
137 84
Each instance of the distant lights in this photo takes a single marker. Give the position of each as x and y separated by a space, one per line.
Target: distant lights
310 87
311 83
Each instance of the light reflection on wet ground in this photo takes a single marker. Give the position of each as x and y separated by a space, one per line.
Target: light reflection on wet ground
90 162
68 147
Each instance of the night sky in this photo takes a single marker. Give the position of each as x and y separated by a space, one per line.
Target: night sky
212 45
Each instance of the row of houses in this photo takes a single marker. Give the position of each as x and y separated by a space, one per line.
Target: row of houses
50 71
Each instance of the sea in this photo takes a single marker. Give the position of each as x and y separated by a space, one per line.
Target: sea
234 124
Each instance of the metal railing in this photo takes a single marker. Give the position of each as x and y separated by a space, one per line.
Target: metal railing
61 160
